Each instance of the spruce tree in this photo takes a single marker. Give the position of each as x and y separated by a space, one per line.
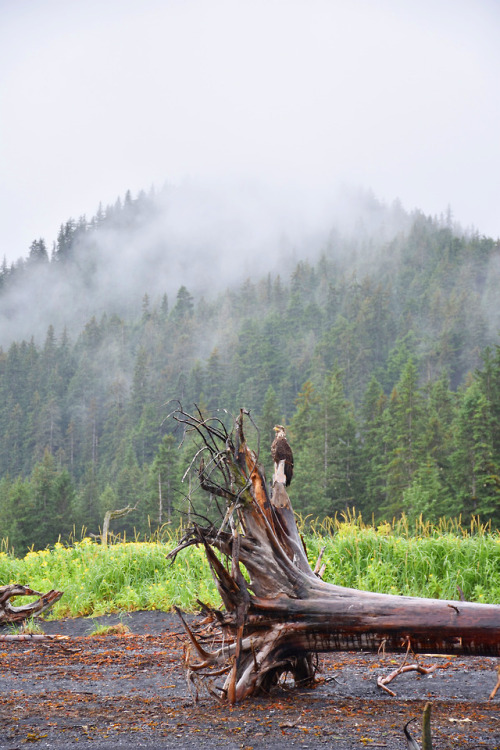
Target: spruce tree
474 462
405 412
374 451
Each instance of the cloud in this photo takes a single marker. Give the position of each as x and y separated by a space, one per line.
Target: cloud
104 97
204 236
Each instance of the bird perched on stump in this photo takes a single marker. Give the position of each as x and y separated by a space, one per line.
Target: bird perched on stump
281 451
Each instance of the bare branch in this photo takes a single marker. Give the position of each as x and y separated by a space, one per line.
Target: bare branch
11 614
278 614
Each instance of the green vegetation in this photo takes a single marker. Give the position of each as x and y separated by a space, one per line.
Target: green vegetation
120 577
385 369
417 559
28 627
118 629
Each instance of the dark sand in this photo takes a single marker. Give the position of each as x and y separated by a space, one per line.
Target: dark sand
130 691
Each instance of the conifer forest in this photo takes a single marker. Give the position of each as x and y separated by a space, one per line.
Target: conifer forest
377 349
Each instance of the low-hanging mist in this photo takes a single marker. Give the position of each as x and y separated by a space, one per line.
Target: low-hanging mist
371 333
202 236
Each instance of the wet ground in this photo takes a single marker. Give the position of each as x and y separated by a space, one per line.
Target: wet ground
130 691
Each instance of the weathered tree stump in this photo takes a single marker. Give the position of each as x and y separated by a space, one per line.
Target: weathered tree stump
17 615
280 615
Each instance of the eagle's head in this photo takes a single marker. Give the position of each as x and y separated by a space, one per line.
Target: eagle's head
279 429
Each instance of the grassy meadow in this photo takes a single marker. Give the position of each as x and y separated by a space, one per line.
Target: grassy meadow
418 560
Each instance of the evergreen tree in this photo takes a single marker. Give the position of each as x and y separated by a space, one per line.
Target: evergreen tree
41 507
17 515
308 490
164 492
327 478
140 386
64 244
489 381
38 253
184 306
214 379
475 465
374 452
341 448
405 437
299 351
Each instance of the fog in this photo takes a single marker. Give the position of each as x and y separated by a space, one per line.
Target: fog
194 235
286 97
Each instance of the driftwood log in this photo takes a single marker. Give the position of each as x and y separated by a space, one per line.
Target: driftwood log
17 615
278 614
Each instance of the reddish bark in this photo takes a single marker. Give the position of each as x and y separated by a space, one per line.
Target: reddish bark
10 614
284 615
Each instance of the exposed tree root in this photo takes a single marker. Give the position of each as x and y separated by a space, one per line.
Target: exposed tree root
278 614
382 682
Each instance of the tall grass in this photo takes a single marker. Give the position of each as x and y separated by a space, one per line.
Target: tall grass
418 560
120 577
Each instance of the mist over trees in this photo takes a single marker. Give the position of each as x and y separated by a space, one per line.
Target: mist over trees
376 343
204 237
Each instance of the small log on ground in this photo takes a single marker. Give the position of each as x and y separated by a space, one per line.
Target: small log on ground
278 620
17 615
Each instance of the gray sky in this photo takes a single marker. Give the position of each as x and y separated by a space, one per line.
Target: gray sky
97 97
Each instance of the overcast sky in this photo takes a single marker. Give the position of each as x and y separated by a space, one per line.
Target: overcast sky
98 97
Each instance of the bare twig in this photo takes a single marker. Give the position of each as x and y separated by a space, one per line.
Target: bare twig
382 682
497 686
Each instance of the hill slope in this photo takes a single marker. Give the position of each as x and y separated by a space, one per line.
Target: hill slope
362 346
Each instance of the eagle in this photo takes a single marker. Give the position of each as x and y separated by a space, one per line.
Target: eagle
281 451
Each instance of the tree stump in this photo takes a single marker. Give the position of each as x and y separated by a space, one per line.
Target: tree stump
280 615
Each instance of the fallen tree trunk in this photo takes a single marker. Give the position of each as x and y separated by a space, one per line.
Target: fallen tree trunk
279 619
17 615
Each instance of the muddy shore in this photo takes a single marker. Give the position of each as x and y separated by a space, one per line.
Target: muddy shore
130 691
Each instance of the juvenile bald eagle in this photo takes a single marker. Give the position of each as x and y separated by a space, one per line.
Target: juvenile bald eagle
281 451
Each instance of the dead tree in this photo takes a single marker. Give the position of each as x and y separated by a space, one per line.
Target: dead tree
17 615
280 615
111 514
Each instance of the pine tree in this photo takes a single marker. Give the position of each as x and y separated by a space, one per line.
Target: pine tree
164 483
326 479
214 381
140 394
184 306
308 491
44 505
38 254
476 471
341 450
404 438
374 451
437 444
18 515
489 380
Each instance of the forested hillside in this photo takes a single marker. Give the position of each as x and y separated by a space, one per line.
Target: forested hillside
378 351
